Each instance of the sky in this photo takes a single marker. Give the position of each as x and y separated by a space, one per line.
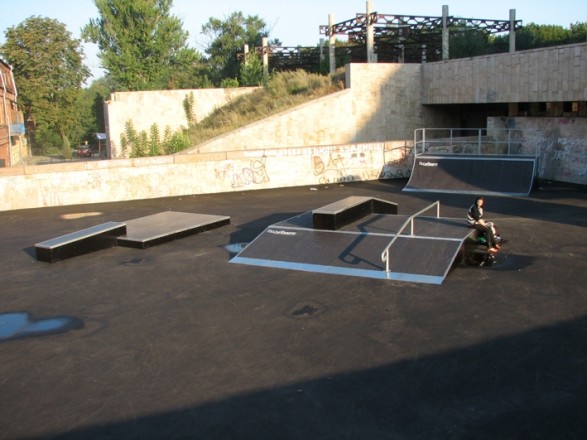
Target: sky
293 22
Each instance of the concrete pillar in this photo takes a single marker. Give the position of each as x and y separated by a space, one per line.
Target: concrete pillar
321 50
265 59
512 30
331 42
246 52
445 48
370 39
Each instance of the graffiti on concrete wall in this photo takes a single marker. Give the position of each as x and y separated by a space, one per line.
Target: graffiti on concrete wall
562 145
239 177
334 167
397 162
565 156
327 164
346 163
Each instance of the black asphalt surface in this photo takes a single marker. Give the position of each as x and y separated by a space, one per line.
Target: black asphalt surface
175 342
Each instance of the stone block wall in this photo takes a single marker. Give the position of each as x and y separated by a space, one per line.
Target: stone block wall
540 75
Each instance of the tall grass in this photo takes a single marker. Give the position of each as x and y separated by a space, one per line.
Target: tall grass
283 90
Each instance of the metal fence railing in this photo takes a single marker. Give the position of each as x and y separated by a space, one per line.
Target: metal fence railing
476 141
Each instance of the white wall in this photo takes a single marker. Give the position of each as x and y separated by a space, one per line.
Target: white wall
162 107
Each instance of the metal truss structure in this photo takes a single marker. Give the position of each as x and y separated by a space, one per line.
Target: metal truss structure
290 58
397 38
409 37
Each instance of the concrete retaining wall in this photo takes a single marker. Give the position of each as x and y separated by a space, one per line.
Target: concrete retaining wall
381 102
165 176
350 135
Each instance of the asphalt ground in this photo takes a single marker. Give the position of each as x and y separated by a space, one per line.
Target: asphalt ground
176 342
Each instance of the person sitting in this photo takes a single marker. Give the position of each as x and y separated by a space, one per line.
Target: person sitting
475 220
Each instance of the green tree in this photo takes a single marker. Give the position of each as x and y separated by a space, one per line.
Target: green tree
188 71
49 71
578 32
467 41
142 46
251 71
533 36
227 38
92 109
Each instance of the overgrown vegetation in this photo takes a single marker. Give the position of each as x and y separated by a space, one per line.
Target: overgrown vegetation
283 90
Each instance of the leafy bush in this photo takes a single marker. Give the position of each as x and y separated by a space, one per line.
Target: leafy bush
142 144
229 83
176 142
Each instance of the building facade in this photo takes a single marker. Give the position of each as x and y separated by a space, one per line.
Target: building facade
13 145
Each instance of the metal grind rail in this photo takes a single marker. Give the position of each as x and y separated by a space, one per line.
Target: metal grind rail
409 221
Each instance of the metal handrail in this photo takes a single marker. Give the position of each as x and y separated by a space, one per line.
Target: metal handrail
423 138
410 220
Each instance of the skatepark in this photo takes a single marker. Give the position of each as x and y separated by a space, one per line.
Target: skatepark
264 314
304 277
177 340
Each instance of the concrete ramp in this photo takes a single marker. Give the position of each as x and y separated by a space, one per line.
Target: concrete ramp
488 175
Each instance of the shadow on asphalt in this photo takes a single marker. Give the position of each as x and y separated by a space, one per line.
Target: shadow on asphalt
530 385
